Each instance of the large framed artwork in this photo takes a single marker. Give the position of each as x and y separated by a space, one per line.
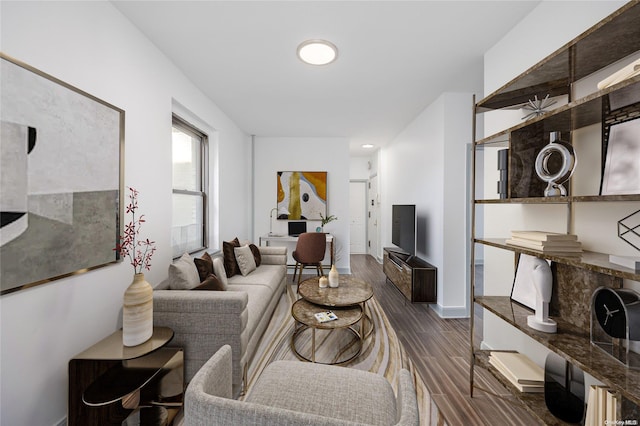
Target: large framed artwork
302 195
61 176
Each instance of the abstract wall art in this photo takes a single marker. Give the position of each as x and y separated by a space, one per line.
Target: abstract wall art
301 195
60 178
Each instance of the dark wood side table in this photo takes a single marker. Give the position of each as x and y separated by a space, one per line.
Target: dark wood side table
110 383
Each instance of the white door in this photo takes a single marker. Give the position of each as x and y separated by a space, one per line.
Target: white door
372 205
358 217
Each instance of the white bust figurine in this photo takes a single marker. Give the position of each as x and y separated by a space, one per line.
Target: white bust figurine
543 282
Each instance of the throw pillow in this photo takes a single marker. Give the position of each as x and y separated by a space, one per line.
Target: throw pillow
256 254
183 274
211 283
218 270
204 266
230 265
245 259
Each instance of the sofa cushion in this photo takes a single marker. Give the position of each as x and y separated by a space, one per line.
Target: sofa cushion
256 254
259 298
204 266
211 283
229 256
330 391
245 259
270 276
183 274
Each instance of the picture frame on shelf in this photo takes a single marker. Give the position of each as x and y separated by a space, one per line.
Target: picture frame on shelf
622 161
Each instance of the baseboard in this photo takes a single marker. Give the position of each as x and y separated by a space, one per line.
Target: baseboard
449 312
62 422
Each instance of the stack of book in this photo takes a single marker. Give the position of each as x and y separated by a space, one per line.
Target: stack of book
602 407
547 242
523 373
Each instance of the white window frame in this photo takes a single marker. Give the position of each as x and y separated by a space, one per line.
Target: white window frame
186 127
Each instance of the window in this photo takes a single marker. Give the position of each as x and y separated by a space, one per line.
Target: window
189 224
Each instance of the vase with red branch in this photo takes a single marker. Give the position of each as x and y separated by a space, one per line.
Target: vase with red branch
137 309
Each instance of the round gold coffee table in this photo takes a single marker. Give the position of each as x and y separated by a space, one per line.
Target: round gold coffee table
304 313
350 292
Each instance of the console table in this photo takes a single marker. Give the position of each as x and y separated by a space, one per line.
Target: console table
415 278
279 239
110 382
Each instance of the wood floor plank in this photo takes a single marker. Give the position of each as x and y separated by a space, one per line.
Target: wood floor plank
439 348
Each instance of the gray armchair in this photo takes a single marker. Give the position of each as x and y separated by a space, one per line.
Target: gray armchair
294 393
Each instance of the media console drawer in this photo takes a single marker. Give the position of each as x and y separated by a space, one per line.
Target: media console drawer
415 278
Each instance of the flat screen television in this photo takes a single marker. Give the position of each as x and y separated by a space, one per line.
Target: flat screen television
403 227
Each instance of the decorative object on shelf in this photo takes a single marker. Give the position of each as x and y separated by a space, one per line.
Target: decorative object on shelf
524 374
628 228
137 310
325 220
334 277
503 167
546 242
615 321
537 107
301 195
603 407
524 288
68 225
631 262
556 178
628 71
543 283
564 389
622 162
323 282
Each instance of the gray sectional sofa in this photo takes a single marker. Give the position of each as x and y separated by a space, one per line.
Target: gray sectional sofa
204 321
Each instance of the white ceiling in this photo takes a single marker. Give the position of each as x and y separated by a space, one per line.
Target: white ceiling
395 58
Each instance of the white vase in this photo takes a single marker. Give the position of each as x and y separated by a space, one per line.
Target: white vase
137 312
334 277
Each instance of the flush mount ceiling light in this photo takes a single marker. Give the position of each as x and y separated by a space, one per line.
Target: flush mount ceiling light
317 52
367 146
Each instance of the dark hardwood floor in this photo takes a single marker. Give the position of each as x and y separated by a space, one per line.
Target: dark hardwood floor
439 348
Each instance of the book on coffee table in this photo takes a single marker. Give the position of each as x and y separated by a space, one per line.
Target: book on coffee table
326 316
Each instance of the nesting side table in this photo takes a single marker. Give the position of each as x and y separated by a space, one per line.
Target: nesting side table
110 383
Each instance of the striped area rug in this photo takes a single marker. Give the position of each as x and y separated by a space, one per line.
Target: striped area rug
382 352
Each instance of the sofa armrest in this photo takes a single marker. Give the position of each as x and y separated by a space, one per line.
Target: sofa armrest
202 322
406 401
273 255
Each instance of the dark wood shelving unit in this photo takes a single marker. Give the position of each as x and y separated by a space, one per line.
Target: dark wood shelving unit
606 43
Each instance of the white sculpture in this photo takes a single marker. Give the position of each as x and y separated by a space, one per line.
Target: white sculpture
543 282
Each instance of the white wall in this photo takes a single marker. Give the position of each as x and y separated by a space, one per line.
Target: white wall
595 223
273 154
359 168
426 165
91 46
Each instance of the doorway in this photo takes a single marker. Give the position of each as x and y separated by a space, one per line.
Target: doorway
358 216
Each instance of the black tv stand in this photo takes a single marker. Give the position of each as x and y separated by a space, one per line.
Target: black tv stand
415 278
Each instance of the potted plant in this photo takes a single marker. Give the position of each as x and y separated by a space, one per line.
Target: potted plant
326 220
